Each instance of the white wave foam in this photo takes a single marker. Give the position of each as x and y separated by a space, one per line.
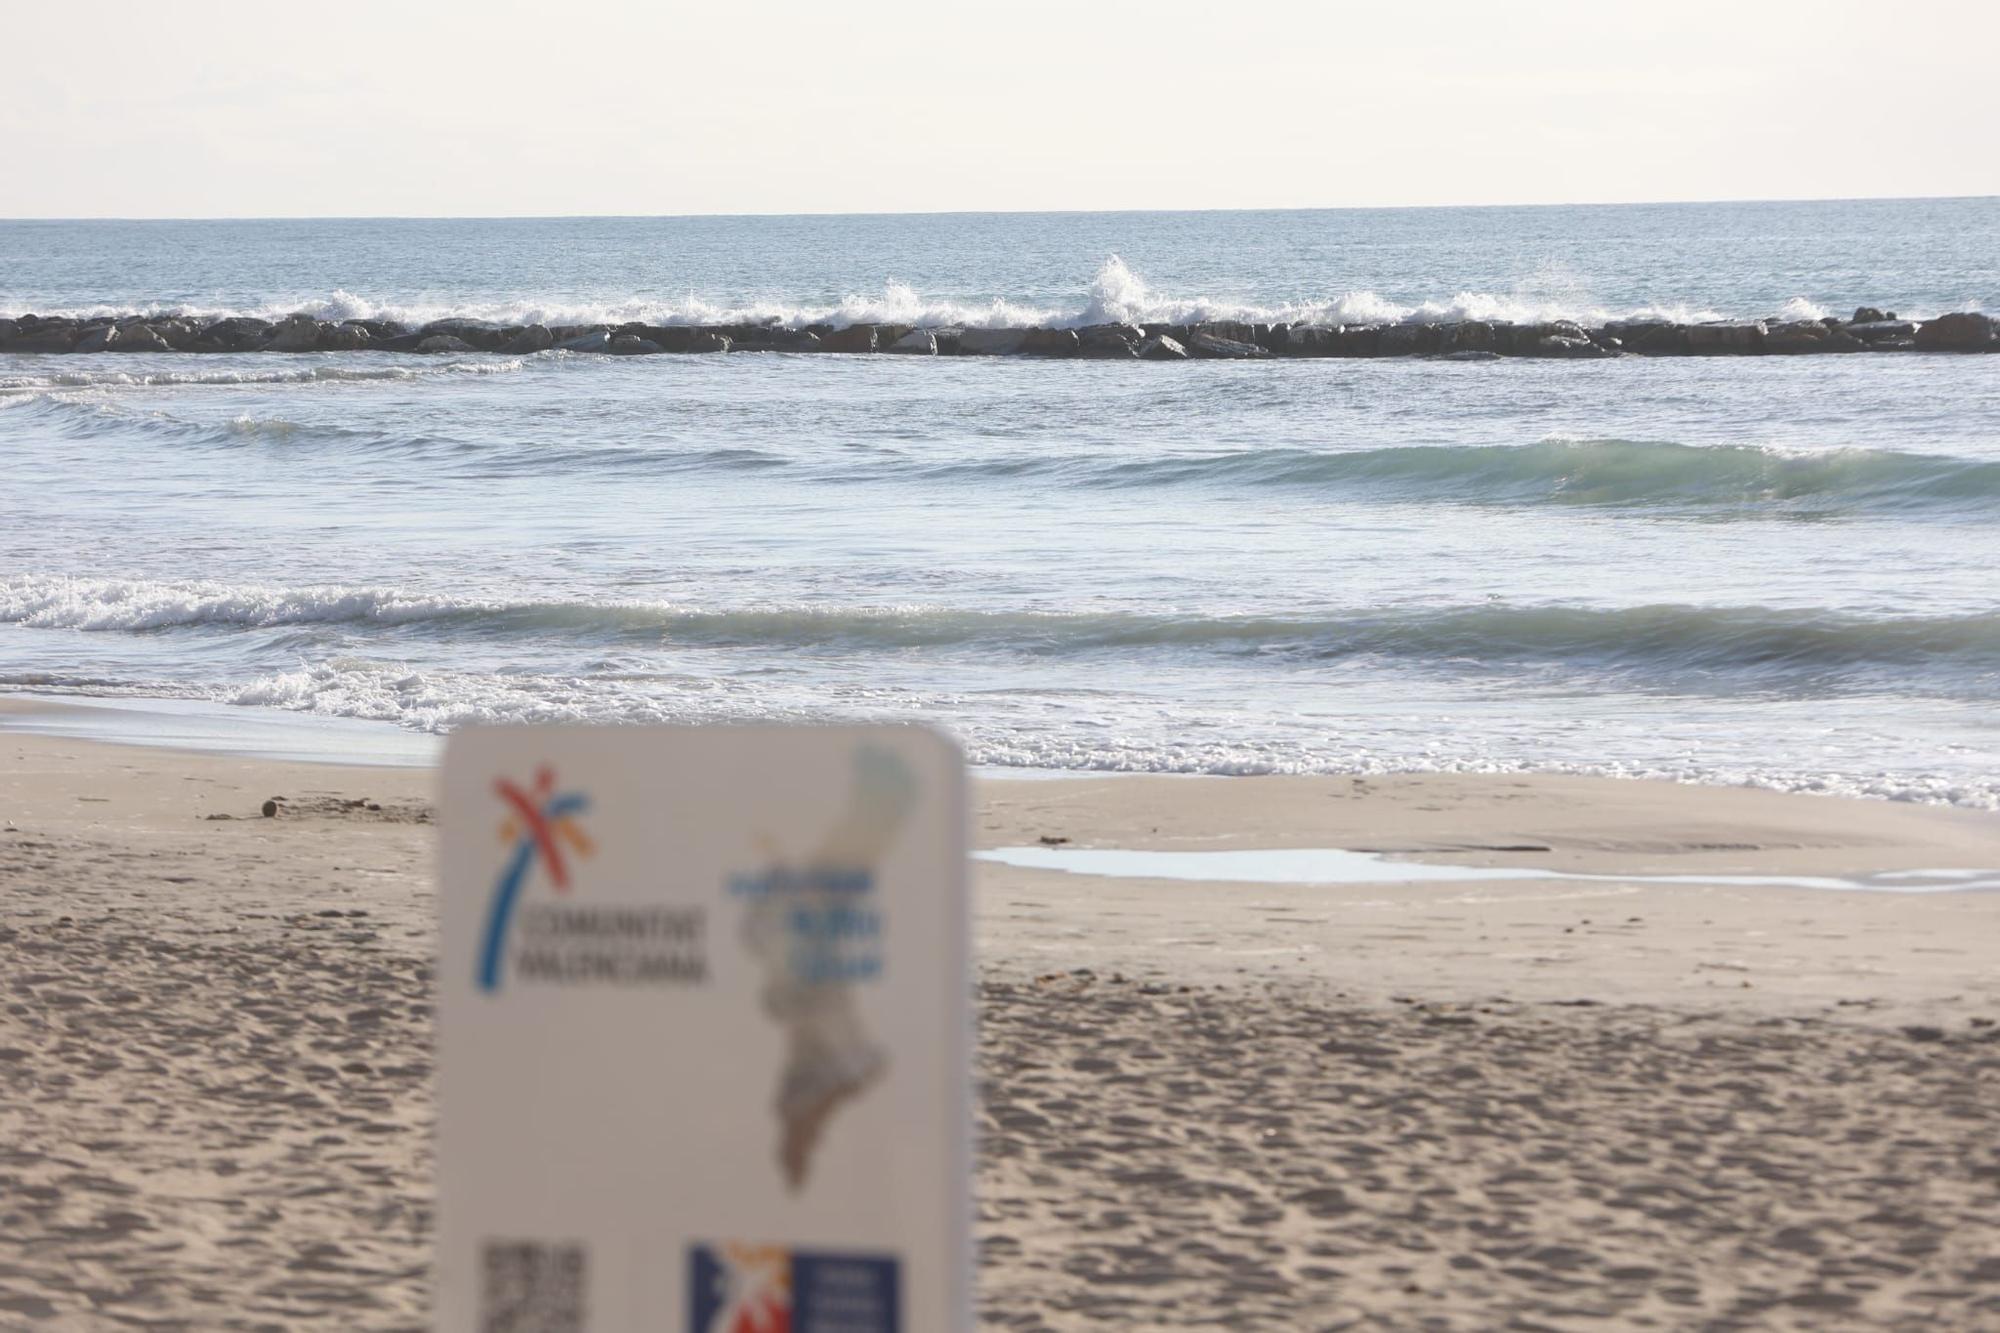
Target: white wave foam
436 701
1115 293
41 602
897 303
442 701
93 374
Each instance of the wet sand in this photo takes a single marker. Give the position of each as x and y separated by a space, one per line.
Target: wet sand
1524 1103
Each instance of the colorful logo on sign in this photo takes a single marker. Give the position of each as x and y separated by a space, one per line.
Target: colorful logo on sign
540 826
738 1288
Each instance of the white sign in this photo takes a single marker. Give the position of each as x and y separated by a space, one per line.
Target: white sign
704 1017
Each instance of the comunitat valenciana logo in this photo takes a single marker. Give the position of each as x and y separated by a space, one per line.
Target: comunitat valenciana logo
603 942
540 823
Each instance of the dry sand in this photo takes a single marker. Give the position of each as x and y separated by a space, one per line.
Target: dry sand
1527 1104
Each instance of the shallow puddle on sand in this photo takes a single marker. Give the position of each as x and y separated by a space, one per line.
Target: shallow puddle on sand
1335 865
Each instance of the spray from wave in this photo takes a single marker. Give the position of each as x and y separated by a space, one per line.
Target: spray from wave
1115 293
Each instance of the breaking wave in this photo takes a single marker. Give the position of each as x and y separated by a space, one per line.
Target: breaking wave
442 700
1748 481
1613 473
1668 638
1114 293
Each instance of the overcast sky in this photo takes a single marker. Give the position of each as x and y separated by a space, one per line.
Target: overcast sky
354 108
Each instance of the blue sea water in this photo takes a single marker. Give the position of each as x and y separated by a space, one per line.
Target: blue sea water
1771 570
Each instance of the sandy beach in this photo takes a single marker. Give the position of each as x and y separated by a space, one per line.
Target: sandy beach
1459 1104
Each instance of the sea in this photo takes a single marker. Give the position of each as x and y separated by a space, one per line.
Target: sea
1780 572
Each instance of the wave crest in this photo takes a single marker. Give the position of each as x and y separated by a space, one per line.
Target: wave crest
1611 473
1657 638
1114 293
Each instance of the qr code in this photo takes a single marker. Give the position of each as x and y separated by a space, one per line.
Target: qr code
531 1287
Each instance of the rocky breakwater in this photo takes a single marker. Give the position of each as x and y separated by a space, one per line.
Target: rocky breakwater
1870 330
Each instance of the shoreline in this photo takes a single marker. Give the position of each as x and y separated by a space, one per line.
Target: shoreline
1868 330
267 731
1663 917
1202 1104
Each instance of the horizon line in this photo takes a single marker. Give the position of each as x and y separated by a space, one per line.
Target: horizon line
978 212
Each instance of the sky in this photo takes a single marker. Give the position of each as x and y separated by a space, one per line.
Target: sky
360 109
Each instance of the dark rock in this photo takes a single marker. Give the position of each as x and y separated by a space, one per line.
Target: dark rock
1232 330
297 333
478 335
344 337
670 337
1876 330
178 333
8 328
1961 331
761 331
1109 341
1213 346
1351 340
1470 335
1408 339
991 342
780 340
534 338
1526 339
239 333
140 338
1649 337
1808 336
1563 341
1161 348
1303 340
1735 338
50 334
1049 342
853 338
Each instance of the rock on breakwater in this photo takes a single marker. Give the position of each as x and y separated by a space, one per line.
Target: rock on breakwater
1870 330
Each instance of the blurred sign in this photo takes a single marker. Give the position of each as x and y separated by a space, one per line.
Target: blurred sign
704 1031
